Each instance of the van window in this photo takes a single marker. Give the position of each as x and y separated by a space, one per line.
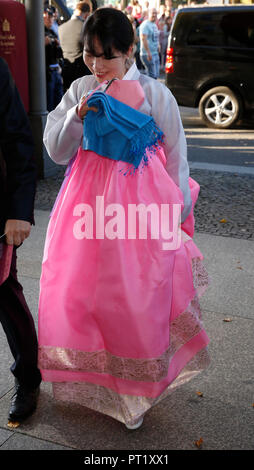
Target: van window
238 29
229 29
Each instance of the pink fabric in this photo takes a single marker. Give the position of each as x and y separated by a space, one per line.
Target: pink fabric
117 295
132 97
107 286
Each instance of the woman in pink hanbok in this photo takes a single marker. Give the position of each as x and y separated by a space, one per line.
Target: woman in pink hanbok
119 317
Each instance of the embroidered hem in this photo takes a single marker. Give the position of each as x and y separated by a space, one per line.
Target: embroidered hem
127 409
182 329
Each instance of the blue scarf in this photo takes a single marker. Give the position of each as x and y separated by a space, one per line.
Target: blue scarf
118 131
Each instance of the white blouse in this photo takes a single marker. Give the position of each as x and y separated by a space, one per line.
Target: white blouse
64 129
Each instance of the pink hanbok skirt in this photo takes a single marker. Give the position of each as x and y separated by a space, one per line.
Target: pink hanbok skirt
119 317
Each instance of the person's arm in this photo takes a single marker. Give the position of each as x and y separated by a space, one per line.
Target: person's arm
64 128
144 32
146 47
17 149
166 114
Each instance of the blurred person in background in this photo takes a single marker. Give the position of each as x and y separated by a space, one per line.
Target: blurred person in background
53 54
137 10
149 44
145 11
163 24
70 34
56 22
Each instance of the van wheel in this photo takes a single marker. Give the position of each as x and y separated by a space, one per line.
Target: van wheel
220 107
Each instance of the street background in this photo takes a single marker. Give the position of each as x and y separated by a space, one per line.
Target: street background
216 409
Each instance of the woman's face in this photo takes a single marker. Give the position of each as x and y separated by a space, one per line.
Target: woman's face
102 68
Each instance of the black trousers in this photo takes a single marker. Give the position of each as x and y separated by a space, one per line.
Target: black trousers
19 328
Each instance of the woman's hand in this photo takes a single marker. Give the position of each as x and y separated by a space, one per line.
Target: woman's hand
84 108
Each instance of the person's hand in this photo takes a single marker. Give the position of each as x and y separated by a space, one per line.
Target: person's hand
47 40
16 231
149 57
84 108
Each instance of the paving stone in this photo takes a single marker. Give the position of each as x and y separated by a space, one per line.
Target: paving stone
20 441
4 436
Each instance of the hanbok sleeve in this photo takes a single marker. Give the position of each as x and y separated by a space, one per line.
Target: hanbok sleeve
167 116
64 129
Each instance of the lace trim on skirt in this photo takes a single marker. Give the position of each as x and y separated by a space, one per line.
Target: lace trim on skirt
182 329
200 276
125 408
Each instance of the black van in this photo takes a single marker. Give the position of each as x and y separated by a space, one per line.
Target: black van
210 62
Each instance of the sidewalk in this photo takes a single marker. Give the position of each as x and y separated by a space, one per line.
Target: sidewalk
222 417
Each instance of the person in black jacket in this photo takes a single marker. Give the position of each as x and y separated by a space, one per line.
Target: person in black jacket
17 192
53 56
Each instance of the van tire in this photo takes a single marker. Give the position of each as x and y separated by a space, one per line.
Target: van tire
220 107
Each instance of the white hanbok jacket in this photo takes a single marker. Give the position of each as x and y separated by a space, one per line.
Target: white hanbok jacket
64 129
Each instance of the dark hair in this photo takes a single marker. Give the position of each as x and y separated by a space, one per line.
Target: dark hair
112 28
83 6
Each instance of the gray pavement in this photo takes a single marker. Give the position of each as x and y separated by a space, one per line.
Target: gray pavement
222 417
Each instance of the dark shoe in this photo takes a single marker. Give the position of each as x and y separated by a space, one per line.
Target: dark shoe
23 403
